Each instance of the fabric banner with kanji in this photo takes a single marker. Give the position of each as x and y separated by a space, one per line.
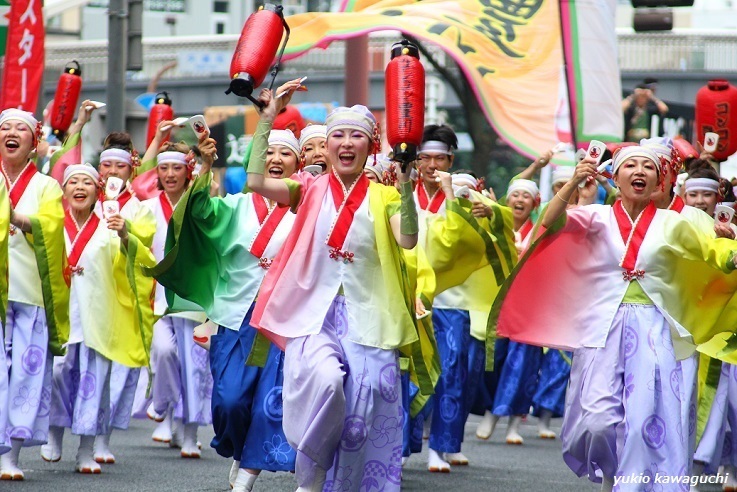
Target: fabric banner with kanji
24 56
509 50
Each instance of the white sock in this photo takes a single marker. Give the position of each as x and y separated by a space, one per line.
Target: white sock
244 481
513 429
85 455
233 472
487 425
162 432
189 441
436 463
456 458
52 450
177 432
9 462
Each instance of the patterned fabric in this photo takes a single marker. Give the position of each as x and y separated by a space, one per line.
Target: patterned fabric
182 381
123 382
247 402
335 379
627 419
514 378
80 398
553 380
28 398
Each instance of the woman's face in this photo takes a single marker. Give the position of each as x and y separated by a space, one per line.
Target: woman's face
80 192
172 176
281 162
120 170
522 203
371 175
348 150
315 152
16 140
637 178
702 199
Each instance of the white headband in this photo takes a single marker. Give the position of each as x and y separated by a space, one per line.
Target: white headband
312 131
171 157
19 115
562 174
464 179
435 147
285 138
116 155
634 151
701 184
85 169
357 117
523 185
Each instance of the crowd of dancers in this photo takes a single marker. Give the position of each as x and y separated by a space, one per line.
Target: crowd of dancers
346 306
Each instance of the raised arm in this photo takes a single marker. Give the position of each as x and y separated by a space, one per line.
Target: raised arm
535 166
83 117
557 206
273 189
404 224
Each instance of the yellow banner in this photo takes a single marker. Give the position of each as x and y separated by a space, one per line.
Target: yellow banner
510 51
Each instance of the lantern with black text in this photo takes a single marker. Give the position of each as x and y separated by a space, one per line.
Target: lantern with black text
160 111
66 99
405 101
257 49
716 111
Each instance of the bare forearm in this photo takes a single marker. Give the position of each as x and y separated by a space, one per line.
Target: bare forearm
558 204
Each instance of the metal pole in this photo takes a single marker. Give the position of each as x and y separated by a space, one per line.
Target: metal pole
571 115
357 70
116 61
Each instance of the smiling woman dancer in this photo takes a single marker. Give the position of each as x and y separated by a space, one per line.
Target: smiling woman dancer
624 303
218 252
113 327
37 323
337 299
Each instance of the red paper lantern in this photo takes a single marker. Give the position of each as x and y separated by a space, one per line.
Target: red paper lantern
256 49
716 111
160 111
66 98
405 101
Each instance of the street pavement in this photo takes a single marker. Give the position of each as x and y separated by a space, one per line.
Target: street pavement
143 465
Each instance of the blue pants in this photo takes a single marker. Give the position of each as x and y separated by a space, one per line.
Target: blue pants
247 402
514 379
551 388
412 427
452 392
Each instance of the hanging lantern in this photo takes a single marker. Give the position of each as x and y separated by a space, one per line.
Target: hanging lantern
160 111
716 104
256 51
66 98
405 101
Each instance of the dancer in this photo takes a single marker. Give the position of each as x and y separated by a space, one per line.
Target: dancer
119 159
117 326
217 259
626 325
510 386
312 147
182 384
337 299
37 319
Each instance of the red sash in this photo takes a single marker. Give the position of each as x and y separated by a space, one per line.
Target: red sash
79 239
427 204
632 234
347 202
269 222
166 206
677 204
17 189
124 197
525 229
